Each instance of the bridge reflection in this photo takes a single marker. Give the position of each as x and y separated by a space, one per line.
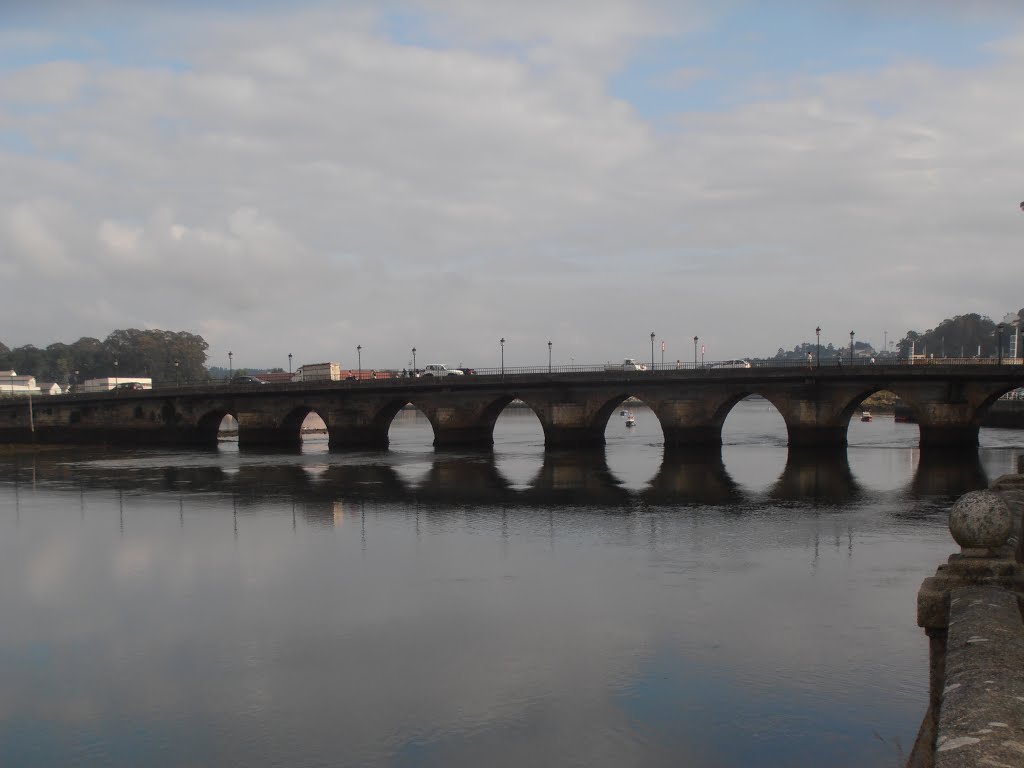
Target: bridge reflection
564 479
811 476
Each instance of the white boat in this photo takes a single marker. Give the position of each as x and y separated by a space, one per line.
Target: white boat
630 419
865 415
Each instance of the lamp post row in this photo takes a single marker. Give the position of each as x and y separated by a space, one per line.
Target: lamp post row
501 342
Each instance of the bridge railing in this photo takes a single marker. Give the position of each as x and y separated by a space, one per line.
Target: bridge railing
404 378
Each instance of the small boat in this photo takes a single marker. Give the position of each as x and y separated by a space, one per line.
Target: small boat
623 413
865 415
630 420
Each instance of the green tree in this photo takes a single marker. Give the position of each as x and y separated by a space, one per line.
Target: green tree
960 336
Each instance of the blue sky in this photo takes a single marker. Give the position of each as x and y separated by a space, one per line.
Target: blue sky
466 160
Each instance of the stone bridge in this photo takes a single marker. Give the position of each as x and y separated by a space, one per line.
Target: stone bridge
948 402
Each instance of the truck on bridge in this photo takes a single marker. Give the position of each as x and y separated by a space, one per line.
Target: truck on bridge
628 364
318 372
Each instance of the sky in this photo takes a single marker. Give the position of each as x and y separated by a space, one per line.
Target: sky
447 173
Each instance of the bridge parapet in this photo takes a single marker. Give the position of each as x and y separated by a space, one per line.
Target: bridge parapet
971 612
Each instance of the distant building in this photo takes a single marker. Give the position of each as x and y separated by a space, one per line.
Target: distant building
13 384
110 382
50 388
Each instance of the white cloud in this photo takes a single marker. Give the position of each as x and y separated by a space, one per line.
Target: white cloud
446 197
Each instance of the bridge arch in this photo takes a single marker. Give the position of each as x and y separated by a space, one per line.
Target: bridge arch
615 403
991 398
209 424
698 423
295 421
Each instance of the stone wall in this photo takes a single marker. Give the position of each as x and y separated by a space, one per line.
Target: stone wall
971 611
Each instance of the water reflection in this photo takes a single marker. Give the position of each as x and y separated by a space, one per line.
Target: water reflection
576 478
693 478
413 607
816 477
948 474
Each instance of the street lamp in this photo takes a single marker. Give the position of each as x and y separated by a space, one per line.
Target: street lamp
549 356
694 351
502 357
359 353
230 364
851 347
414 361
115 373
176 363
1000 327
289 365
652 350
817 332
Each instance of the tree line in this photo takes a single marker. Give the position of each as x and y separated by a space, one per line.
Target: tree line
166 357
970 335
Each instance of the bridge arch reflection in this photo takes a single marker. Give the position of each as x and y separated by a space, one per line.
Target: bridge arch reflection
565 479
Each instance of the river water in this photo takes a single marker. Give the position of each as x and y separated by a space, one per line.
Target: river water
413 608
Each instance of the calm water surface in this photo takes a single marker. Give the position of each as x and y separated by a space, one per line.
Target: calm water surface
413 608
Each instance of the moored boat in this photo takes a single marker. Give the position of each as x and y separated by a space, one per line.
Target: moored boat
865 415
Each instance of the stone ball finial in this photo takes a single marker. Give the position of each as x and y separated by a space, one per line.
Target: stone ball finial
980 520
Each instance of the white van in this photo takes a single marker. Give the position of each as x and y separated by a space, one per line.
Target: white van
437 369
729 364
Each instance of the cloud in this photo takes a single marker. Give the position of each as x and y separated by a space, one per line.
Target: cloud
307 182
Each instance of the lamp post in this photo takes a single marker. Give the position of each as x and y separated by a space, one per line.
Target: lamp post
230 364
549 356
289 365
176 382
851 347
414 361
502 342
652 350
115 373
359 354
77 381
1000 354
663 354
694 351
817 332
12 383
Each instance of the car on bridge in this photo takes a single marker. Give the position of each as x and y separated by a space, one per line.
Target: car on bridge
246 380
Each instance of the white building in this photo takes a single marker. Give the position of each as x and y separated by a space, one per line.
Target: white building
13 384
107 383
50 388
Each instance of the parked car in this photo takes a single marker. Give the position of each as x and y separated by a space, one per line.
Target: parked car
247 380
130 385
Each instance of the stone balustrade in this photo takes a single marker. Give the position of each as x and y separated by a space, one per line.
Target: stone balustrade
971 611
